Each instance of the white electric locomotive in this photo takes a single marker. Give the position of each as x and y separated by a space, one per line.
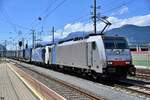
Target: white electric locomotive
96 55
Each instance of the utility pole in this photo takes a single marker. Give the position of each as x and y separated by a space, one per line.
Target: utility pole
53 31
13 41
94 16
26 44
33 38
23 42
53 60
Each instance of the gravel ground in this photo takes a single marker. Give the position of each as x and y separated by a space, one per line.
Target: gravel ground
105 91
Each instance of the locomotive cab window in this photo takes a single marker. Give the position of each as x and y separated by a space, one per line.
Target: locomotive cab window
121 44
115 43
109 44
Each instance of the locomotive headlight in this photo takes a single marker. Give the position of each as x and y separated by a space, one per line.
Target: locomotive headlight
128 62
109 63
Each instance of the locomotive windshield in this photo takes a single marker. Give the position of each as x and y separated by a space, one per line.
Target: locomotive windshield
115 43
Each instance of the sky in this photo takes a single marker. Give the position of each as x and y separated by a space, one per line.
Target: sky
19 17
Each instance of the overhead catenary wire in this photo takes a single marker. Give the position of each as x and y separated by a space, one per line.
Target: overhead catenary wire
15 26
9 21
54 9
39 17
59 6
117 7
51 11
49 6
105 11
75 20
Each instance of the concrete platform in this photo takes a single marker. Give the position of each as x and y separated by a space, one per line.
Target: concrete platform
11 87
41 91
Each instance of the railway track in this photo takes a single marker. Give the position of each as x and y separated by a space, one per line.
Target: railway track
68 91
134 87
140 77
143 76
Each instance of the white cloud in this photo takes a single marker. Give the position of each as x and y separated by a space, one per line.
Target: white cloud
78 27
137 20
58 34
121 11
116 22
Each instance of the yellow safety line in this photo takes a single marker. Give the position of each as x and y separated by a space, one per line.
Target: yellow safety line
26 83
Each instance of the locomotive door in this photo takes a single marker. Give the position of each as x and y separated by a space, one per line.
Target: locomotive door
50 56
89 55
95 55
43 54
92 54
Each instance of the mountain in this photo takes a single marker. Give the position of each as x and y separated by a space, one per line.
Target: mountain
75 35
134 34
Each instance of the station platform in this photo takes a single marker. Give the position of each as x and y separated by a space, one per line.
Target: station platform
11 87
16 85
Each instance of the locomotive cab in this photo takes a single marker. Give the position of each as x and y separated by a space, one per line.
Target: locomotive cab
118 57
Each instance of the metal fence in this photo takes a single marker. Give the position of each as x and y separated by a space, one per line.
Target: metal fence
141 59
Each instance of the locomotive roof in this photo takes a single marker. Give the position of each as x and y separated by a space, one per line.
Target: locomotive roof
90 35
76 36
